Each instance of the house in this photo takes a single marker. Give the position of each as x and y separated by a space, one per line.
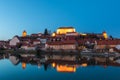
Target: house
14 41
102 44
4 44
36 42
72 34
58 45
36 35
28 47
24 46
43 40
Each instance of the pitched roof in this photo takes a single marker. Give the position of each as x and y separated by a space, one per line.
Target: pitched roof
65 27
108 42
62 42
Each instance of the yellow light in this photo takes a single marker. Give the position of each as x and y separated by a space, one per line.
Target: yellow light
84 65
24 34
64 68
64 30
53 34
105 35
83 34
23 65
53 64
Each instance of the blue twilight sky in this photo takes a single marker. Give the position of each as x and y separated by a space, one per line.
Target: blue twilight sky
36 15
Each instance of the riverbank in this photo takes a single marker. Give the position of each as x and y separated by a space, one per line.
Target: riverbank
18 51
60 52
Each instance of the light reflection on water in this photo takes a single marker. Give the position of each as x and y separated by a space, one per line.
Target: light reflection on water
15 67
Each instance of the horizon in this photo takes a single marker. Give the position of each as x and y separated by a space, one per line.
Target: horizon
34 16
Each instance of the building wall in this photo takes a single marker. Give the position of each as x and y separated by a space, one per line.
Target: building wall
65 47
31 48
35 43
14 41
72 34
43 41
65 30
104 46
27 48
24 47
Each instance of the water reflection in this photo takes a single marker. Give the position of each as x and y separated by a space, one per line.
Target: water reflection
14 59
66 68
61 63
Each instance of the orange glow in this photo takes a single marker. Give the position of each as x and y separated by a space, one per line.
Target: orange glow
64 68
65 30
83 34
23 65
53 64
105 35
24 34
84 65
53 34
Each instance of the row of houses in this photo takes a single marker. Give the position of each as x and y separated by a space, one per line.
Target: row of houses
66 38
72 44
4 44
28 42
57 43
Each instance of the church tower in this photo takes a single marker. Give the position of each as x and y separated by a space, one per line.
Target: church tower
105 35
24 34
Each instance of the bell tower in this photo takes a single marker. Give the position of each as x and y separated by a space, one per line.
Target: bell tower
105 35
24 34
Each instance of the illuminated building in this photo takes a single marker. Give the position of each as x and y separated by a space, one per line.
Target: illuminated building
83 34
23 65
64 30
53 34
53 64
66 68
24 34
66 45
105 35
84 65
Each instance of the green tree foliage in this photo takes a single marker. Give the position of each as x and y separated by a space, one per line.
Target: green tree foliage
46 32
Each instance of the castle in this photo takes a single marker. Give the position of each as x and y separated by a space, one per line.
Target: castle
65 38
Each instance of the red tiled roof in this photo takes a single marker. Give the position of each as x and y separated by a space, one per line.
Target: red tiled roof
85 40
108 42
36 40
61 42
28 45
24 44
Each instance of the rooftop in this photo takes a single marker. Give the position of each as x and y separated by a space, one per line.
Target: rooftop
65 27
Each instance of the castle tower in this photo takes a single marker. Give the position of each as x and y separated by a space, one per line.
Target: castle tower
105 35
24 34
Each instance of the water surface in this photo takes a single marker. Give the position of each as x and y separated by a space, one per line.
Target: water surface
33 68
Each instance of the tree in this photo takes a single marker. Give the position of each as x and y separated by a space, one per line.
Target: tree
111 37
46 32
19 45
